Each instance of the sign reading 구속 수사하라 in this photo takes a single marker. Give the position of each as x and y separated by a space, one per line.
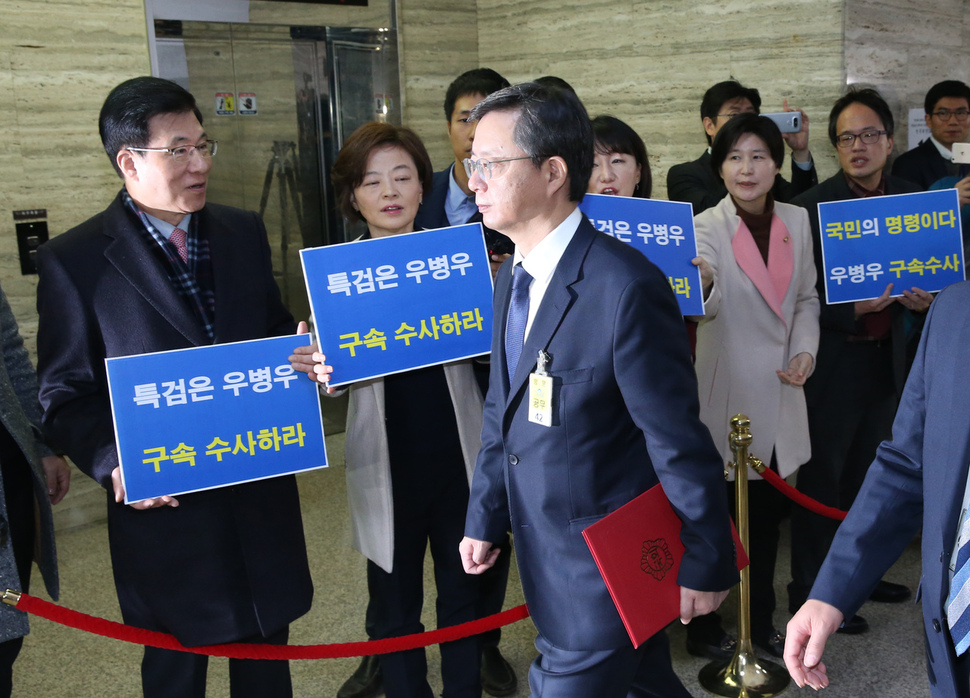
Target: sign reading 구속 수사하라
401 302
909 240
662 230
195 419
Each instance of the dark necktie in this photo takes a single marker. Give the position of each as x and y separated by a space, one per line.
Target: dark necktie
518 316
177 238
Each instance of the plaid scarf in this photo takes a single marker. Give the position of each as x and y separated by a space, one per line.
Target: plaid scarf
192 279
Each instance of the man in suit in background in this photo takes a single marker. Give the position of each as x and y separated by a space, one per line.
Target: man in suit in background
602 321
947 107
696 183
861 361
159 269
918 479
451 202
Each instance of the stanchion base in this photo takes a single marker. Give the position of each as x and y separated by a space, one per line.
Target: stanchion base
744 676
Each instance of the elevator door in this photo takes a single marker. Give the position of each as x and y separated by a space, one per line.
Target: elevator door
269 95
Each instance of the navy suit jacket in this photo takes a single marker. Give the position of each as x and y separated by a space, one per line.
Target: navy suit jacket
625 416
923 165
918 478
227 563
696 183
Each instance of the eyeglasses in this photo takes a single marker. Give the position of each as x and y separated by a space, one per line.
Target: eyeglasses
945 114
484 168
183 153
845 140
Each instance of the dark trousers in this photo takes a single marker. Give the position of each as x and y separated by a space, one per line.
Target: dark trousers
848 417
645 672
424 513
171 674
767 508
491 592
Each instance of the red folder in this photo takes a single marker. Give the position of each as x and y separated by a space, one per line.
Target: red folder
638 551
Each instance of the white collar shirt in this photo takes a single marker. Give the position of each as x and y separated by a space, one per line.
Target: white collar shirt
542 261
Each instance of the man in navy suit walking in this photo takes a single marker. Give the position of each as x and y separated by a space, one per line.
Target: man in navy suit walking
595 322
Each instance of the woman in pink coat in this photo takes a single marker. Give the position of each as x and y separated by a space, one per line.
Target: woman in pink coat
757 340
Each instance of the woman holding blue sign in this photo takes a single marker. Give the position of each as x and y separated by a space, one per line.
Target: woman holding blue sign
757 340
620 165
412 440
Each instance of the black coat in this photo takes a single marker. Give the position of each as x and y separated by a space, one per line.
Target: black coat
923 165
227 563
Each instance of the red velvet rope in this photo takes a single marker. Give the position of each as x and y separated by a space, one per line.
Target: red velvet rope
119 631
801 499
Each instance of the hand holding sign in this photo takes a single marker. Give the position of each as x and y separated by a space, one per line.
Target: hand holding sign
118 486
917 300
306 359
875 305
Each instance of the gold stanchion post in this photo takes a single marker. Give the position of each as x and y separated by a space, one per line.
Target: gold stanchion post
744 675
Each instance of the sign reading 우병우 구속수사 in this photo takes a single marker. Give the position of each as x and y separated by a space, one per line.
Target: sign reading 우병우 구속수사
194 419
909 240
662 230
396 303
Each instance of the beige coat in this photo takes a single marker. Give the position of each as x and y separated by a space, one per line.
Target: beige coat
368 466
756 320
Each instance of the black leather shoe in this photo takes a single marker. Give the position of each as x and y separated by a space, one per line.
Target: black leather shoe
365 682
774 644
887 592
712 648
856 625
498 676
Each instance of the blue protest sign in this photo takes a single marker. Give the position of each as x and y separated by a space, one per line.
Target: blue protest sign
194 419
395 303
906 239
662 230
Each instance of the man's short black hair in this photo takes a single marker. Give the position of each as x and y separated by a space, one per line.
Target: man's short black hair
731 132
867 97
480 81
552 122
722 92
555 81
947 88
124 118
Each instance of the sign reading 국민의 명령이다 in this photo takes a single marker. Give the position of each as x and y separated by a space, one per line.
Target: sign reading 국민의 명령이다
909 240
205 417
396 303
662 230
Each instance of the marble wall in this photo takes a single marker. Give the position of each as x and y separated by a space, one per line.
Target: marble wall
58 60
649 63
438 42
903 48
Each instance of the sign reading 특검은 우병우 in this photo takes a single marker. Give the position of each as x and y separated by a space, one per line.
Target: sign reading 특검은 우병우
662 230
909 240
396 303
205 417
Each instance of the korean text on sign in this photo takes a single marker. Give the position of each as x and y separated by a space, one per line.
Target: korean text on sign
401 302
909 240
662 230
194 419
